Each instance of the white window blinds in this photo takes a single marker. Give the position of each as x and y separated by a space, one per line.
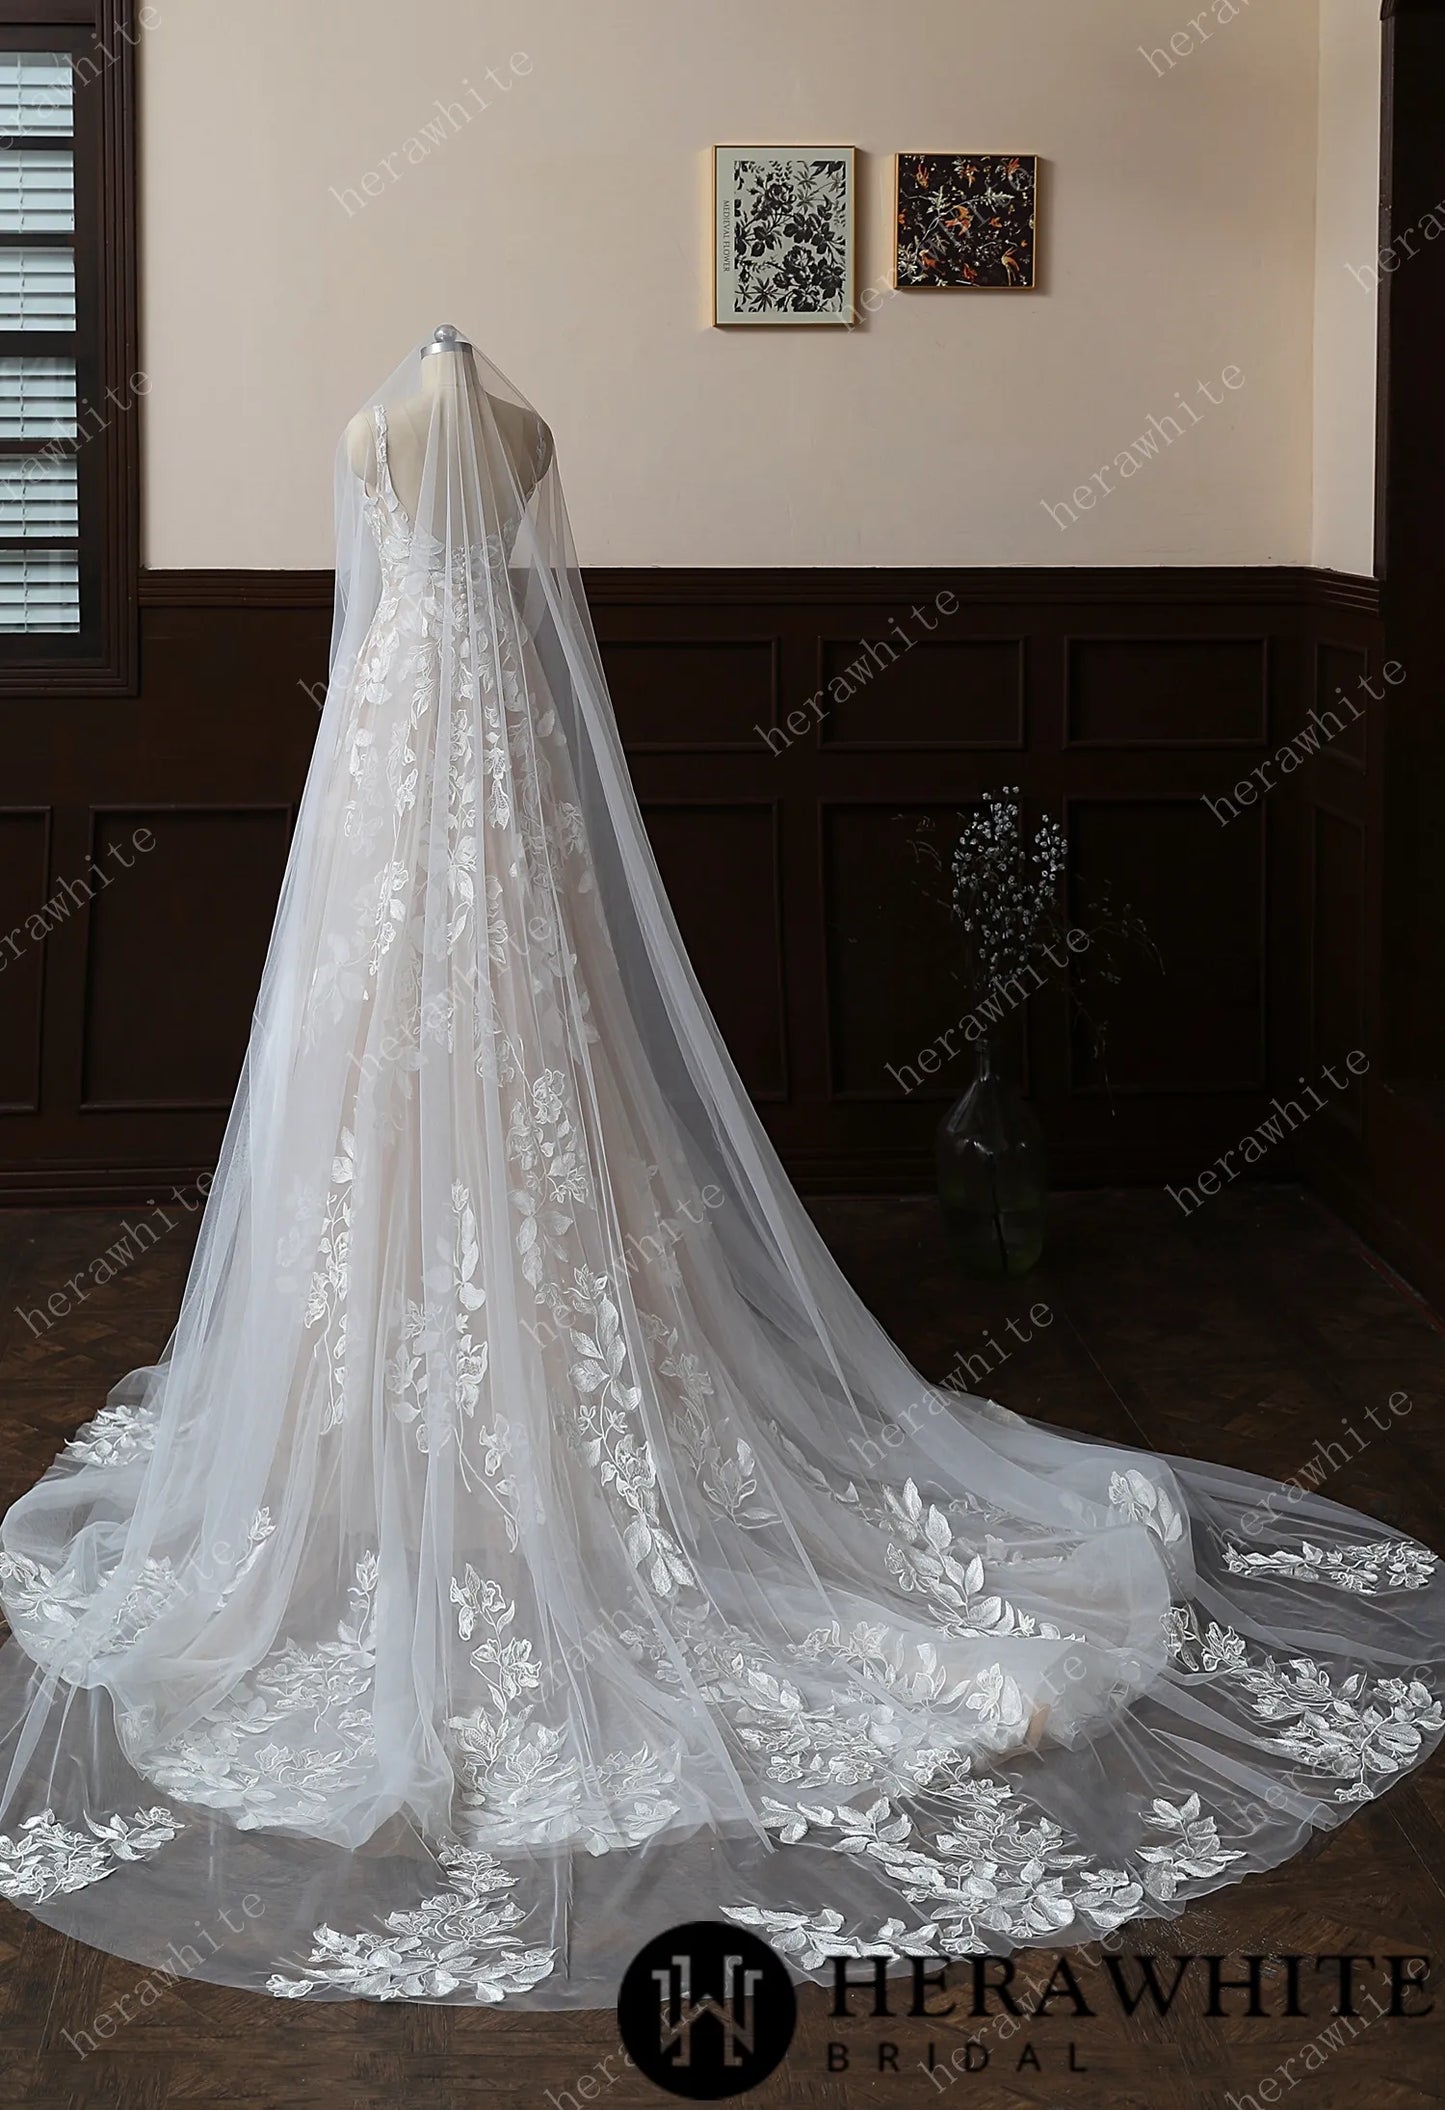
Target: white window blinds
39 412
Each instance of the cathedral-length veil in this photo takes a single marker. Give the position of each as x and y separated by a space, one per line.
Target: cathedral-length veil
528 1541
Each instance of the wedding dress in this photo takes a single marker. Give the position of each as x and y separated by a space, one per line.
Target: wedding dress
528 1542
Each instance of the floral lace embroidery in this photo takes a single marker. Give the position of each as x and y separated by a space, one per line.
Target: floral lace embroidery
337 983
499 937
878 1734
46 1859
235 1762
521 1786
1357 1730
923 1555
461 829
1147 1504
462 1938
49 1611
994 1872
729 1483
923 1559
912 1675
1367 1568
117 1436
879 1505
391 903
326 1304
606 1421
496 770
43 1608
544 1145
441 1335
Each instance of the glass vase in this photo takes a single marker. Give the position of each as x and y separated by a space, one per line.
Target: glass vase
992 1176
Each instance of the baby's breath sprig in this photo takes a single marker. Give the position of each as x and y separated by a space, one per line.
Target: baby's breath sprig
1005 887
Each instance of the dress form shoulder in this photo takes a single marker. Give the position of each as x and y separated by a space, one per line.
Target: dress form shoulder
526 440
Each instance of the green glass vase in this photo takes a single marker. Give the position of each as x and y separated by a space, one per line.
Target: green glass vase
992 1175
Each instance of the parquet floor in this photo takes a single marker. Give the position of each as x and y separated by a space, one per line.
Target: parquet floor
1252 1333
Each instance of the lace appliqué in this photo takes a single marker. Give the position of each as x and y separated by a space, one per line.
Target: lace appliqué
1148 1504
462 1939
49 1611
439 1336
996 1872
117 1436
923 1558
326 1303
1366 1569
544 1144
877 1734
46 1859
521 1785
1356 1730
462 833
728 1481
606 1424
236 1762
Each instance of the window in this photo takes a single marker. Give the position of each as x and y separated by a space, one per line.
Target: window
70 388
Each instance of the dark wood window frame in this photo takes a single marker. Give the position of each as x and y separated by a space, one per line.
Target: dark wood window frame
101 658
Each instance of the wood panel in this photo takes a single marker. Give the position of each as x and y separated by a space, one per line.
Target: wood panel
1410 471
965 693
1383 775
720 864
1168 692
1337 951
1342 702
25 920
1194 1022
205 881
894 1004
1122 700
675 694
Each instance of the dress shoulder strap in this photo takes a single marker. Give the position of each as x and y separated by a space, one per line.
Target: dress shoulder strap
385 487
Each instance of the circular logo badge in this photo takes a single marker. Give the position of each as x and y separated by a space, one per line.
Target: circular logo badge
707 2010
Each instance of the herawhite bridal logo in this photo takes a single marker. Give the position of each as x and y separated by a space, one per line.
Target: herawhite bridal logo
707 2011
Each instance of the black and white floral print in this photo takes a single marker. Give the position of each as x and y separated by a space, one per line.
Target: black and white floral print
785 235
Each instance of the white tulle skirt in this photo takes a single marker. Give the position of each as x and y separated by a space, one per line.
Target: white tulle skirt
528 1542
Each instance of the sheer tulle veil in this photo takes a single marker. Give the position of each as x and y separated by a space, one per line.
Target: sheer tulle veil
527 1540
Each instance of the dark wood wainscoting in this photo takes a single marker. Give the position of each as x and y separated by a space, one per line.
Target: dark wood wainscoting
780 789
1375 834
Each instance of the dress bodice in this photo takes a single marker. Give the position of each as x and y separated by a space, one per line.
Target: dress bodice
411 554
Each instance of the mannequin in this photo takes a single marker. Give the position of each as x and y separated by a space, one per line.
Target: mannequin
526 440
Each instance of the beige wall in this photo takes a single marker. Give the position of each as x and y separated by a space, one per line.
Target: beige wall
566 227
1347 247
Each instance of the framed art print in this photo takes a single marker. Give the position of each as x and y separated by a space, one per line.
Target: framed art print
783 228
966 220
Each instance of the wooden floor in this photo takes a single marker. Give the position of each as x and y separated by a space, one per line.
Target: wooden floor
1248 1333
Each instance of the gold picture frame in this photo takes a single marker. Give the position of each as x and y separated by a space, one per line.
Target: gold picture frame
938 244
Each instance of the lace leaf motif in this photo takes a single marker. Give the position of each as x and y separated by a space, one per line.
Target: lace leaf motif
47 1859
463 1936
995 1872
1363 1568
1355 1730
522 1782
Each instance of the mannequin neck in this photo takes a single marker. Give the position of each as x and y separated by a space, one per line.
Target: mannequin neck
445 369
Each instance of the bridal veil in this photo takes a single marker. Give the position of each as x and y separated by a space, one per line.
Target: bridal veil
527 1540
